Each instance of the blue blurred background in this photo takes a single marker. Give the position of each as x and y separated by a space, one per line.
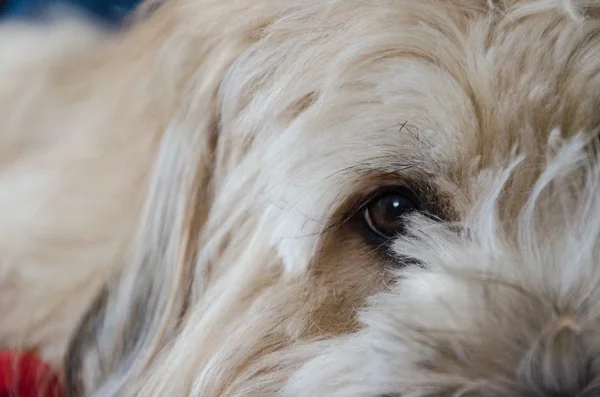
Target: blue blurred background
107 11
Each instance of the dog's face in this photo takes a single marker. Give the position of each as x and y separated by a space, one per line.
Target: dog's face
401 199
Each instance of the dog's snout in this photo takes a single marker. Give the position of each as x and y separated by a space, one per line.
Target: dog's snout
563 362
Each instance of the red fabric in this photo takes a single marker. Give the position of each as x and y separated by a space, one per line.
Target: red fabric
25 375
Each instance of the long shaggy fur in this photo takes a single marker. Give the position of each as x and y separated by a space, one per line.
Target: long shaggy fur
178 199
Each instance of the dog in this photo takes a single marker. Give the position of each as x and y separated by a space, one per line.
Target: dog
306 198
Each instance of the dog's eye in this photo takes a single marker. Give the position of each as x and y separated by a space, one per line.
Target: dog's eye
384 213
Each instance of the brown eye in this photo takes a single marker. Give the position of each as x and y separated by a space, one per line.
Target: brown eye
383 214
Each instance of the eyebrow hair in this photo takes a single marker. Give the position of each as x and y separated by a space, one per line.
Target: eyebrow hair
373 165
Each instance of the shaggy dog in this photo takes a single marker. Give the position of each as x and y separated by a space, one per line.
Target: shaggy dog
302 198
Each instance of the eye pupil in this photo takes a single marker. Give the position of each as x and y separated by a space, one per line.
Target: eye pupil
384 214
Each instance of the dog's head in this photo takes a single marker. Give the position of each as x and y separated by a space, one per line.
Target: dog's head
363 198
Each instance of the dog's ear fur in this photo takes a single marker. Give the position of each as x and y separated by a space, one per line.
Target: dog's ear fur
141 307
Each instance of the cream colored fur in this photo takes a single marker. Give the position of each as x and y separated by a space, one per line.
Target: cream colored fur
171 197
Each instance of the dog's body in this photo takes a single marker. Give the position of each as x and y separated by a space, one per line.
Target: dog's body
195 206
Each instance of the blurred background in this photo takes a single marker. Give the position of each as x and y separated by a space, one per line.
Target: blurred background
107 11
